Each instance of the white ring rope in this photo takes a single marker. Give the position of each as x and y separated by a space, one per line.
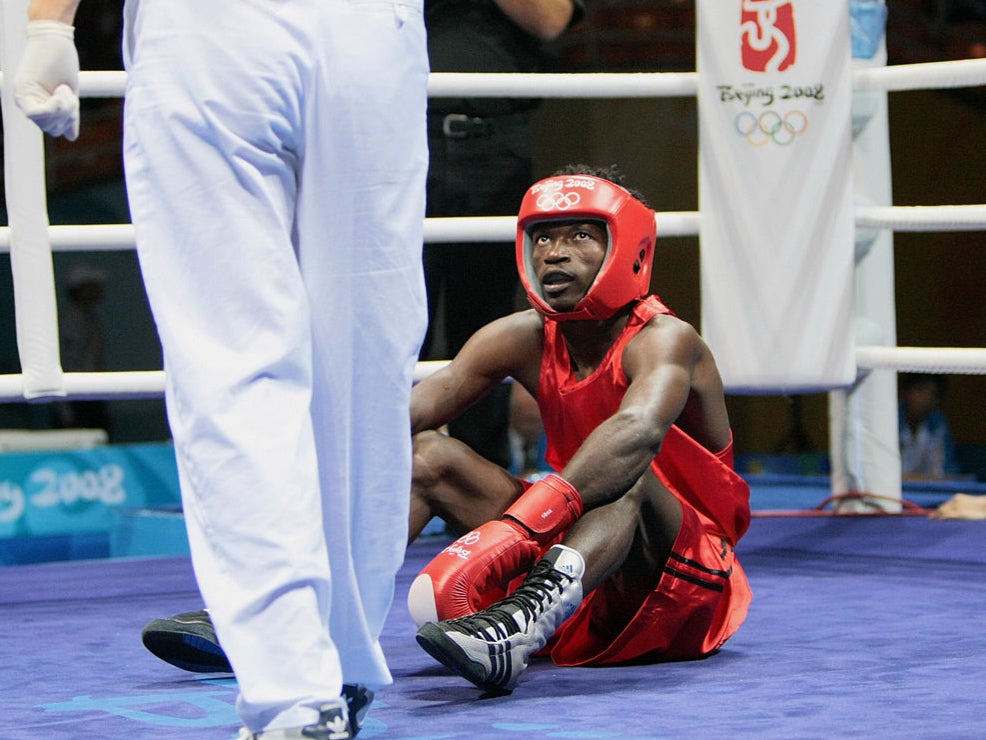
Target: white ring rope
969 361
894 78
118 385
150 383
964 73
135 384
116 237
927 76
922 218
83 238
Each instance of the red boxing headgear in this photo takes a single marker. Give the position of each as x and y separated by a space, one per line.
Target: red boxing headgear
625 272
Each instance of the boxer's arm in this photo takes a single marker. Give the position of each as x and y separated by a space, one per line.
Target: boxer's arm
507 347
661 366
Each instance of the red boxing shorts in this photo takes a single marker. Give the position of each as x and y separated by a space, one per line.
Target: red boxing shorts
700 601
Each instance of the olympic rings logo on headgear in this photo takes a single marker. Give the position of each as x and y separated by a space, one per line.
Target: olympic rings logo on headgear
558 201
771 126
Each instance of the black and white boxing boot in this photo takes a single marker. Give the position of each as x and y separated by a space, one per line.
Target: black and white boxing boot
492 648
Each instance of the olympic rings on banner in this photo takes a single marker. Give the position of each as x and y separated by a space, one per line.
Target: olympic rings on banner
558 201
770 126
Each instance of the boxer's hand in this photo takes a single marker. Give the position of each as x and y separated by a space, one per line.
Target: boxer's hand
46 85
476 570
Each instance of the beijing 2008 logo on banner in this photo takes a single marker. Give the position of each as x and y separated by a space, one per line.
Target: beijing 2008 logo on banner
775 108
768 37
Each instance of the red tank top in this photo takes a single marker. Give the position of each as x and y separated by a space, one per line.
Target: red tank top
571 409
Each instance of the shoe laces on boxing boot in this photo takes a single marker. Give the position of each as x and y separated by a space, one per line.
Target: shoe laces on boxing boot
333 724
492 648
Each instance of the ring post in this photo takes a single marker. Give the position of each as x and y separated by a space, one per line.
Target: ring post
863 435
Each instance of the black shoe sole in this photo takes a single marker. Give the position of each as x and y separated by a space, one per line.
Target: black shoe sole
184 649
437 644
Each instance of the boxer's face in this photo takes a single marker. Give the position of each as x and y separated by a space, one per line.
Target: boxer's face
566 256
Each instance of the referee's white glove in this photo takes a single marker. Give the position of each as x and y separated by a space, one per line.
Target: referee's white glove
46 86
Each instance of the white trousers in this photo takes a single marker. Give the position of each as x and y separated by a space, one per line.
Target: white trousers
276 158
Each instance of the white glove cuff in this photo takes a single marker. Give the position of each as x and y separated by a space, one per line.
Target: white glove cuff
50 28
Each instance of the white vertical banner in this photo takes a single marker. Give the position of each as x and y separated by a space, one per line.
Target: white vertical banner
776 193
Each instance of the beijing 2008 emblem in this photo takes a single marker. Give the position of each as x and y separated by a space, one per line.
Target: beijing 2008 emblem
768 37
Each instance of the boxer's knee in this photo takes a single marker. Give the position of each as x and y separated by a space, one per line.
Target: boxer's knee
433 460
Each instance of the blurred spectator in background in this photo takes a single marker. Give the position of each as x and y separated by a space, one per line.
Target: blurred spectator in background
481 161
80 333
927 450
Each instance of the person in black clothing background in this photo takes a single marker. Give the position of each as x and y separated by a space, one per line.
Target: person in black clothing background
481 159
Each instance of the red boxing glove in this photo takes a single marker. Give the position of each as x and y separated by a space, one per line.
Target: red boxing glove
476 570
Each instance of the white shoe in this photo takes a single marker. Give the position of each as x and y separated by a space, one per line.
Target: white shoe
333 724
